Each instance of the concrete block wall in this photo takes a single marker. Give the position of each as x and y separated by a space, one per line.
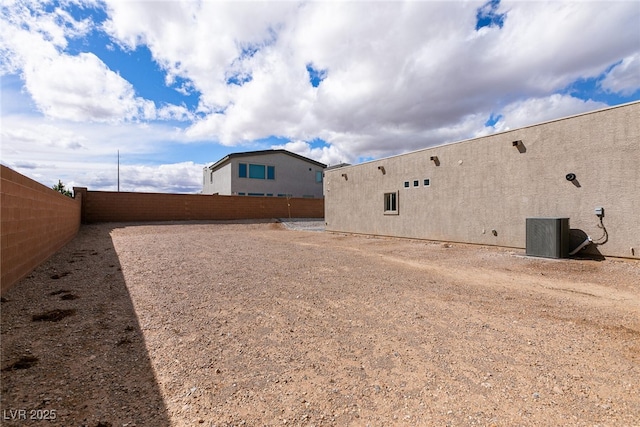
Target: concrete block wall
102 206
35 222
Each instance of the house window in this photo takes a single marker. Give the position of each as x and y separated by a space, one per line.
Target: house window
391 203
416 183
406 184
256 194
426 182
318 176
256 171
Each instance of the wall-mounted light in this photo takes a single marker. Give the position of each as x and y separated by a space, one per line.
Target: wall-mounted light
571 177
381 169
435 160
519 145
344 175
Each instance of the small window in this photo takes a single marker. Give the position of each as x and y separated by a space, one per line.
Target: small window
256 171
406 184
242 170
269 194
241 194
391 203
416 183
271 172
256 194
318 176
426 182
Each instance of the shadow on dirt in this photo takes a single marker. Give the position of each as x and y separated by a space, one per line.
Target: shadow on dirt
72 349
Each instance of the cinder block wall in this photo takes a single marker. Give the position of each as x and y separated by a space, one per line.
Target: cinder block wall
36 222
102 206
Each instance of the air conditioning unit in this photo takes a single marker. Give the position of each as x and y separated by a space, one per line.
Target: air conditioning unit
548 237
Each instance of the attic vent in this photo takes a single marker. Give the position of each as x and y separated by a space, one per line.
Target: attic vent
548 237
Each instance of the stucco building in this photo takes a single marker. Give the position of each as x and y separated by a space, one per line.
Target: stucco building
482 190
277 173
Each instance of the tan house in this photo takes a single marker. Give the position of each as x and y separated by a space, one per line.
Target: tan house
585 168
270 173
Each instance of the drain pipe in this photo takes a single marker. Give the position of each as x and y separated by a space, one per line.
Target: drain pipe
582 245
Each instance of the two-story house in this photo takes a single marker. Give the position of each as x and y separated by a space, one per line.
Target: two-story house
276 173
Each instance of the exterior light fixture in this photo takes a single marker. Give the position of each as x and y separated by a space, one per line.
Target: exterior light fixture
570 177
344 175
520 146
381 169
435 160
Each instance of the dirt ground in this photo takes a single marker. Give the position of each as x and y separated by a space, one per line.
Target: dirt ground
228 324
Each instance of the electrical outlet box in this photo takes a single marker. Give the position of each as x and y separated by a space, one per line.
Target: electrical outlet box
599 211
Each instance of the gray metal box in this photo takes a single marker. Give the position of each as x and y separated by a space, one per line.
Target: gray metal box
548 237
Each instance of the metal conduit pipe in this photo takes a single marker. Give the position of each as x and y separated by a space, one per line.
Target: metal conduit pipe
588 241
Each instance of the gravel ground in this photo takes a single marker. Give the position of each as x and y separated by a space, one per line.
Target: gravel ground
303 224
257 324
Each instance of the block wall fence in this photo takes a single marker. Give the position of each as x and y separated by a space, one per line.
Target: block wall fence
35 222
105 206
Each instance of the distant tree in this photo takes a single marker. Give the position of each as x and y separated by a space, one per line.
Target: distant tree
59 187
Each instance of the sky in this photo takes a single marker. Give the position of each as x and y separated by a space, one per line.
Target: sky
166 88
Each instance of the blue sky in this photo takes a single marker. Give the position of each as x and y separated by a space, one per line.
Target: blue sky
176 85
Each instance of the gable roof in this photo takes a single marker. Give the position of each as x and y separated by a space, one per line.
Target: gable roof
228 157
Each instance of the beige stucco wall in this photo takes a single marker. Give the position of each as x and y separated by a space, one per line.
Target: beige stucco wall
487 184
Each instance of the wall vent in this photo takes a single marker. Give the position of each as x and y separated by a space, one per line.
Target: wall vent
548 237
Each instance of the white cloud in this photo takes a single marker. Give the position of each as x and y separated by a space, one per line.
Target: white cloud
175 112
86 154
538 110
329 155
403 76
199 41
82 88
624 78
78 88
184 177
27 30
